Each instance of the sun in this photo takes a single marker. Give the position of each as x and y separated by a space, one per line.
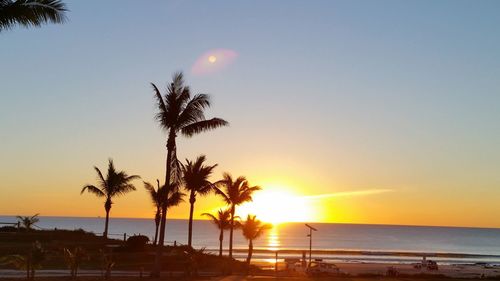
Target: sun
277 205
212 59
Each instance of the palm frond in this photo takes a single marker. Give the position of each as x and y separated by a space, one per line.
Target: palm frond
31 12
202 126
161 116
94 190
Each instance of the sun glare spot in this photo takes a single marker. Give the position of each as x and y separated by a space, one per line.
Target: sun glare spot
212 59
277 206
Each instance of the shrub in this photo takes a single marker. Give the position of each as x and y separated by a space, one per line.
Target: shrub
137 242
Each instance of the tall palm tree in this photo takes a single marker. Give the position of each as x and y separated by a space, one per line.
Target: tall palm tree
30 12
223 222
178 112
28 222
115 184
156 199
234 193
195 179
252 229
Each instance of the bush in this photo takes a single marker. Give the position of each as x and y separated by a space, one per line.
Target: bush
137 242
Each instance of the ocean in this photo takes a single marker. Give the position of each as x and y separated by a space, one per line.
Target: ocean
336 242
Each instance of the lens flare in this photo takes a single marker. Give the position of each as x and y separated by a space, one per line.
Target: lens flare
213 61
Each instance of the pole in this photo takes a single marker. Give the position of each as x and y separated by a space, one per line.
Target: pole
310 243
276 264
310 247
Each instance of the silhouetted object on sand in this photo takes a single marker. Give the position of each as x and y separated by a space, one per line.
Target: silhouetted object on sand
29 13
179 112
115 184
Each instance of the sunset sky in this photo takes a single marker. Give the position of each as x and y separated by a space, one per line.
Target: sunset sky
383 112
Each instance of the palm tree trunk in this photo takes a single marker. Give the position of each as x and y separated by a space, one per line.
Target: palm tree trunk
107 207
159 246
157 225
221 237
192 200
233 209
249 257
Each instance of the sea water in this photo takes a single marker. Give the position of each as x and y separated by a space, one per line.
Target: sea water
339 242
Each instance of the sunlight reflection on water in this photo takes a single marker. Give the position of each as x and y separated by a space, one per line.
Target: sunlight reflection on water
273 241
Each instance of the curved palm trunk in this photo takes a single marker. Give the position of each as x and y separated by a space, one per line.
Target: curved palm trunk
250 252
107 207
221 238
163 221
192 200
233 209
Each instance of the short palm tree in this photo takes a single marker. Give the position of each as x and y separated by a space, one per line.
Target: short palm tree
28 222
223 222
179 112
74 259
29 262
195 177
252 229
154 194
234 193
30 12
115 184
158 197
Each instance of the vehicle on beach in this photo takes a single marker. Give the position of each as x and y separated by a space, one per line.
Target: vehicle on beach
428 264
320 268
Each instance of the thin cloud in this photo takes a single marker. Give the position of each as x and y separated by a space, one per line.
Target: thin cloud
350 193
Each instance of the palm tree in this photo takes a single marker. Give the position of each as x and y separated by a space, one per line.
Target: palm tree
195 178
252 229
158 197
28 222
156 200
223 222
115 184
178 112
234 193
29 262
30 12
74 259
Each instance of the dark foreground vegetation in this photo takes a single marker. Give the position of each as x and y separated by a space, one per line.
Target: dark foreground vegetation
75 250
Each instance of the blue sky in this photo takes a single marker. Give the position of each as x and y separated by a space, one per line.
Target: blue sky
333 95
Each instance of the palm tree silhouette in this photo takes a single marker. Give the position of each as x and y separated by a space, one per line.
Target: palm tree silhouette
223 222
178 112
115 184
156 199
30 12
28 222
234 193
195 178
252 229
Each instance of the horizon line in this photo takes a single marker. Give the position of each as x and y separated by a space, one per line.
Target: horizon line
316 222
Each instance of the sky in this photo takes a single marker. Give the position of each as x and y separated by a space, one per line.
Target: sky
382 112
